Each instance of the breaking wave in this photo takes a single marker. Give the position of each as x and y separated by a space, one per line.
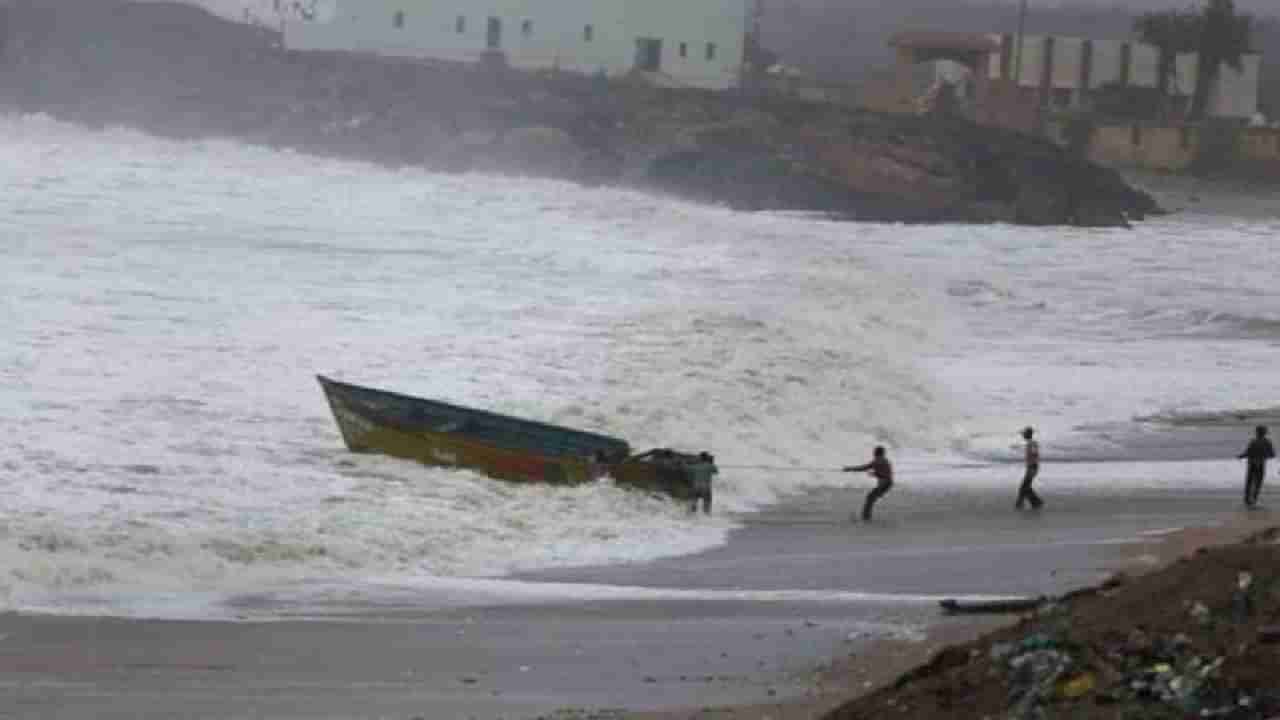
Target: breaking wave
169 304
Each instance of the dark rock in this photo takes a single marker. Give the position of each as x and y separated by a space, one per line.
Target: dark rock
1268 634
545 151
1099 216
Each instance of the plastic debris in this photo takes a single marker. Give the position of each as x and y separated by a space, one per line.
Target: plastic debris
1242 599
1038 641
1077 686
1000 651
1200 612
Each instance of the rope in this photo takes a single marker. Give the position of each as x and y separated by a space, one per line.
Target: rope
775 468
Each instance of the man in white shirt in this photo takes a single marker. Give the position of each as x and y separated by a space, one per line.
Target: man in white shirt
1025 492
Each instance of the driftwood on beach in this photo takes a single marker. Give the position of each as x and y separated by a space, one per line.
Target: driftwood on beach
177 71
955 606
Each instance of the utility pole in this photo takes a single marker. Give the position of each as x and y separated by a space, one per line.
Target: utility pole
1017 46
751 73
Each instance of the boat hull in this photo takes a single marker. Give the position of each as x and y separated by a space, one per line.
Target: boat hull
435 433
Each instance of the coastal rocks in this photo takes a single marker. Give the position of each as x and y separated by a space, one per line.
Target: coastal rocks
1039 202
934 186
875 167
542 151
545 151
762 182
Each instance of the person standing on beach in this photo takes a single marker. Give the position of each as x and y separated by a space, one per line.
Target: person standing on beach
1025 492
883 472
701 473
1258 453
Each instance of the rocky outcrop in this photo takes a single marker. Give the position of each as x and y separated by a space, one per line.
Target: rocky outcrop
176 71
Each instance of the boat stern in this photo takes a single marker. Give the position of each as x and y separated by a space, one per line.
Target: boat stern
684 476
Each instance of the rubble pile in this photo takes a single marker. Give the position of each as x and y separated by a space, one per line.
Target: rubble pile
1198 639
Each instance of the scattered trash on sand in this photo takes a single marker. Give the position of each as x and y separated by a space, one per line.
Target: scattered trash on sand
1196 639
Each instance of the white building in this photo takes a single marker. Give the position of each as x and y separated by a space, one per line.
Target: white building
696 43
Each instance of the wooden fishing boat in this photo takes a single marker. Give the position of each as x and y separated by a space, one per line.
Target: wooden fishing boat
506 447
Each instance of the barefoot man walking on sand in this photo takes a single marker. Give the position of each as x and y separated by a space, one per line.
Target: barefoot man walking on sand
1025 492
1258 453
883 472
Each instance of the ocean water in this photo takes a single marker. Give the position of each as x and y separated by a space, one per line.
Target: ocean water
166 306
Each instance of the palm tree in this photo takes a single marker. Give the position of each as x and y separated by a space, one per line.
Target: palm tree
1171 32
1224 39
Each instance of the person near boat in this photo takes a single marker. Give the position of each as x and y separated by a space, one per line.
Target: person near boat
882 470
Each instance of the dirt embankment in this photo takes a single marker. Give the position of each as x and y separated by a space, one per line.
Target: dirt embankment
177 71
1199 638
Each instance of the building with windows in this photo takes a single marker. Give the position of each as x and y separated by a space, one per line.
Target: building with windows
1021 82
694 43
1067 72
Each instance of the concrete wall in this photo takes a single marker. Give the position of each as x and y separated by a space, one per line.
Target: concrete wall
1033 60
1144 65
1137 64
1184 79
1009 106
1068 63
1236 94
1173 149
1108 63
1261 144
1125 146
702 40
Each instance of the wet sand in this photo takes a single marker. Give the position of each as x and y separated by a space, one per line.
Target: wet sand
799 610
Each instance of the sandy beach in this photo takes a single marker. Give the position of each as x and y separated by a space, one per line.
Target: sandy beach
799 611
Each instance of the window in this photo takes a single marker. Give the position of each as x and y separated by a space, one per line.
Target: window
526 28
649 54
460 25
711 51
588 33
398 20
684 50
493 34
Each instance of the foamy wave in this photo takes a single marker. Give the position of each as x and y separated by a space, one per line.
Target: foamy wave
166 431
